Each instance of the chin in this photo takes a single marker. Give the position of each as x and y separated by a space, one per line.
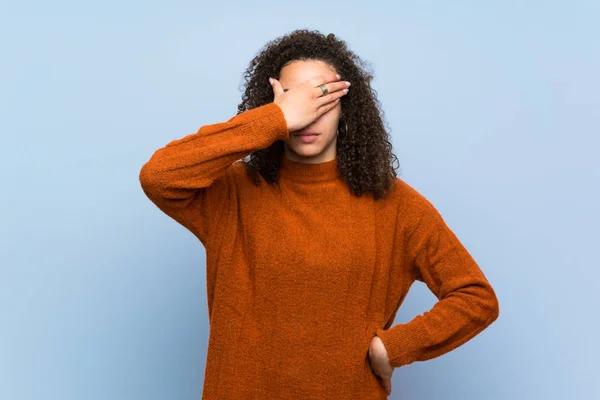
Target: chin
307 151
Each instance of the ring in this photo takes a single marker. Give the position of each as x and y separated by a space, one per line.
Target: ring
324 89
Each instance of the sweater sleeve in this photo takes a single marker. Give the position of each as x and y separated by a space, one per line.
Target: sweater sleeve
187 178
466 304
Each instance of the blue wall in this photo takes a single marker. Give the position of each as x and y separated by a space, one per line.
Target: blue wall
494 113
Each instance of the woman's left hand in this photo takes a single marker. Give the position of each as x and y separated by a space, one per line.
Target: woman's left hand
380 363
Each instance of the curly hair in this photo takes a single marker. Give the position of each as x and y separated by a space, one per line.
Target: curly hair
364 152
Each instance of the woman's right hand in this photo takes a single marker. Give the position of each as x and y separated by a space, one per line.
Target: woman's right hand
304 103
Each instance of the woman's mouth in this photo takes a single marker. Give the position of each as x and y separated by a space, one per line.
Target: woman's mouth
307 138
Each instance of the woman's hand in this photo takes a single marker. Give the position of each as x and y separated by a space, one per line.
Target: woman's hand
380 363
304 103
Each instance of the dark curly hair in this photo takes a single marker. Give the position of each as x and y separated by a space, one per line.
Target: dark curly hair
364 152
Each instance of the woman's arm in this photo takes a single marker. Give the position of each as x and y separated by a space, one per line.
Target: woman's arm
467 302
187 178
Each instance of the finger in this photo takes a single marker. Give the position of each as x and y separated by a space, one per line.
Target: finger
323 109
387 384
335 86
331 87
276 85
323 79
330 97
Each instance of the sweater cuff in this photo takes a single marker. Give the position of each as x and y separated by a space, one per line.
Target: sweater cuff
269 119
402 345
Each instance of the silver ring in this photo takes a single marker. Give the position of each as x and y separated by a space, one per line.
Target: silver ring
324 89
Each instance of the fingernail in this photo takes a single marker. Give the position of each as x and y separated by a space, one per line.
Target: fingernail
339 76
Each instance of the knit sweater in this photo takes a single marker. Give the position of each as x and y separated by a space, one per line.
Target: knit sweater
302 274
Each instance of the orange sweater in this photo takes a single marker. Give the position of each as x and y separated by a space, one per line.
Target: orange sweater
301 275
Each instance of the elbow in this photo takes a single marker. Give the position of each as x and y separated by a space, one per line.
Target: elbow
493 308
145 174
486 307
148 178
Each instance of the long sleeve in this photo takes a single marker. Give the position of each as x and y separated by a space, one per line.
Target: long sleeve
466 304
187 178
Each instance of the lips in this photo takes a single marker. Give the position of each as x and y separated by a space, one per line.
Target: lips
307 133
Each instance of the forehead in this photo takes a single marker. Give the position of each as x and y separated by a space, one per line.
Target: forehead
301 70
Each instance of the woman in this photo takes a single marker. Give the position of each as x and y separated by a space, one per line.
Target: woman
312 241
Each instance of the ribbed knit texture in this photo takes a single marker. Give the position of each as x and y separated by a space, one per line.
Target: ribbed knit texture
301 275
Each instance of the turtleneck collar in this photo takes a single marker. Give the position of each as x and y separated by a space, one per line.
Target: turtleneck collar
305 172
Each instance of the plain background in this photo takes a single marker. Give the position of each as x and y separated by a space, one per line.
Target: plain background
494 113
